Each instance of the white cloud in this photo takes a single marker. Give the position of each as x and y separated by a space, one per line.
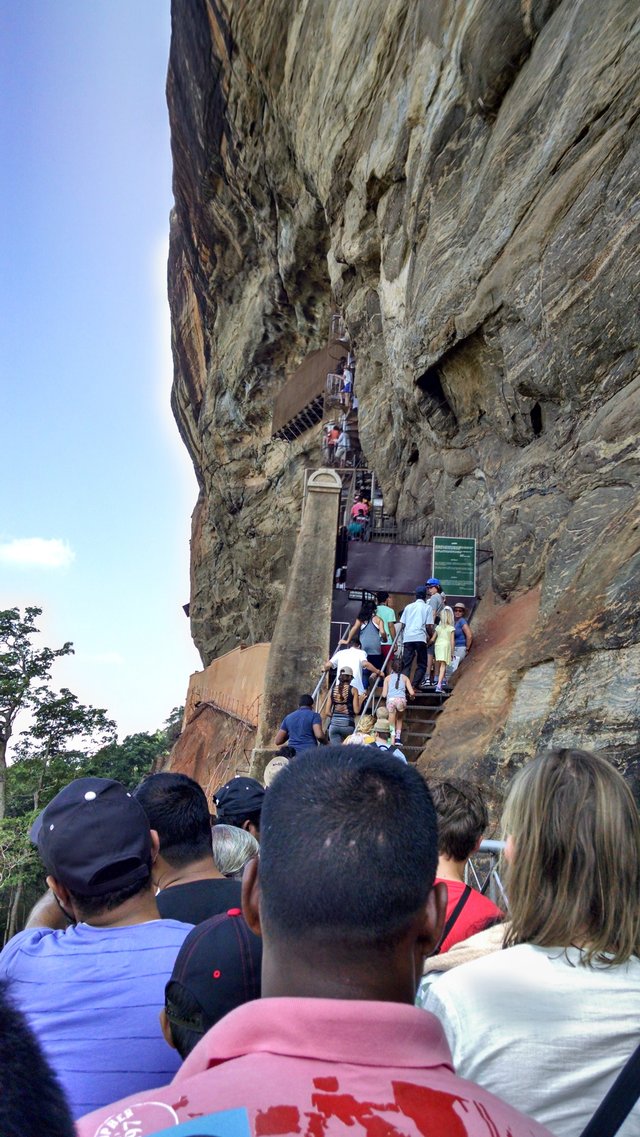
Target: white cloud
36 552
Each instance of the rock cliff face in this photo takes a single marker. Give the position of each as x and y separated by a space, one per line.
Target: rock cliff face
460 178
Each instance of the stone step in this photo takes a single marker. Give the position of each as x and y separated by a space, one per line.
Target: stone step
416 735
425 716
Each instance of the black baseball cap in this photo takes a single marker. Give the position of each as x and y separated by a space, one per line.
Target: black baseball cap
219 965
94 837
238 798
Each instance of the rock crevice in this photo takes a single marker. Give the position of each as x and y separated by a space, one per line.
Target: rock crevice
461 180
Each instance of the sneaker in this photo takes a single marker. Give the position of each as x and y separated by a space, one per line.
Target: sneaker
439 690
426 685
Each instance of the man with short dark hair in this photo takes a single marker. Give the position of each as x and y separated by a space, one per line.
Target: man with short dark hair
462 820
302 729
191 888
355 659
92 991
343 895
239 803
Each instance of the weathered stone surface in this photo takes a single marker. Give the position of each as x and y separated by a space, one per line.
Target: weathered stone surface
213 748
462 180
300 644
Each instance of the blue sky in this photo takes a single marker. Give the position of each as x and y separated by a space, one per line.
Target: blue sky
97 488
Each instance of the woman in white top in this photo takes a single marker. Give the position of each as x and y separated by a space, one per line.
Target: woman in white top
549 1022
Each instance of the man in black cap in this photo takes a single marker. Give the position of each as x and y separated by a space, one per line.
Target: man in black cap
239 803
90 968
217 969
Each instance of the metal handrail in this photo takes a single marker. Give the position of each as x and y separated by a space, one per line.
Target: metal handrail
390 654
319 707
490 884
318 687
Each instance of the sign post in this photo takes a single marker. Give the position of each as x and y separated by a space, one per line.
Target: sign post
454 564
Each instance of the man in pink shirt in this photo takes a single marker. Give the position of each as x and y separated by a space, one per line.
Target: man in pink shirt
344 898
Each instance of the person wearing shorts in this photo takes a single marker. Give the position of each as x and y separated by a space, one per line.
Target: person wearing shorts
345 705
395 690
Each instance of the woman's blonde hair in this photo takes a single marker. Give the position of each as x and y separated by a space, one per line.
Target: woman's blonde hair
574 874
366 723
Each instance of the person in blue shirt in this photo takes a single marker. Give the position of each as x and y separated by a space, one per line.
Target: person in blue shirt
302 729
90 968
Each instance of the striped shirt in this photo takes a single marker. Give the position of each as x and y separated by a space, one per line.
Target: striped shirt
92 996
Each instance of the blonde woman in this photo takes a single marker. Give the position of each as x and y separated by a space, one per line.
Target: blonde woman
549 1022
443 638
363 734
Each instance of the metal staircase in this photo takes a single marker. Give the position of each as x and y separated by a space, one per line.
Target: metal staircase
420 720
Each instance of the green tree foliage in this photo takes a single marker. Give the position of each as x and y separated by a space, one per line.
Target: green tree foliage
25 672
63 739
63 733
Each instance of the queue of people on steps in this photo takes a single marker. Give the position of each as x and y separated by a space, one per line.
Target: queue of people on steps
431 638
337 442
354 979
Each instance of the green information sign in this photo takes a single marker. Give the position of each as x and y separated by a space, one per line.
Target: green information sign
454 564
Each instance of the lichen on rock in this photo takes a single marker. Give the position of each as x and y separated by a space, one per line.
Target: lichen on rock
461 180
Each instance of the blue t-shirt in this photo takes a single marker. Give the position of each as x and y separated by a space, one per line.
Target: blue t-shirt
299 727
458 633
92 996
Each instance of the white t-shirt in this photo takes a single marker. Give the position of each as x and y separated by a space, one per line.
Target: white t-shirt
414 619
540 1030
352 657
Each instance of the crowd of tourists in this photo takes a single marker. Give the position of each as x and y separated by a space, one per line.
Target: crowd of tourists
337 448
420 650
352 979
